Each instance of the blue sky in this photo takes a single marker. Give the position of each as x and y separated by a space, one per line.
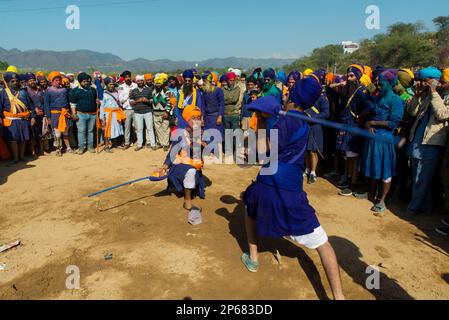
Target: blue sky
200 29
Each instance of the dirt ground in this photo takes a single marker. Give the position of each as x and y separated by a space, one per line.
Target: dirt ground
158 255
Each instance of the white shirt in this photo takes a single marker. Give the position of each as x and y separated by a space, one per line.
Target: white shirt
123 96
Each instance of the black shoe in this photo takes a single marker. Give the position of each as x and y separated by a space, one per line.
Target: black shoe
343 183
312 179
138 148
444 231
445 221
346 192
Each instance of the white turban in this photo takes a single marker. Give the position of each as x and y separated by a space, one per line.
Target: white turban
140 78
237 72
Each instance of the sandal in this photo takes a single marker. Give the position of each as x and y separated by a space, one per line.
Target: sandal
379 208
251 265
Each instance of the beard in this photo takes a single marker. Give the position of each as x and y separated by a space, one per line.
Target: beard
350 88
187 89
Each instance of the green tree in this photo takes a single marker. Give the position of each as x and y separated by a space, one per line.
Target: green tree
442 39
403 45
3 65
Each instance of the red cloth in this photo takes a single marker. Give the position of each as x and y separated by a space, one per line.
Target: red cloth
230 75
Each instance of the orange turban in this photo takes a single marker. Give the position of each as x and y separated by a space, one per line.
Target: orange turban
52 75
191 111
330 78
65 81
148 76
446 75
368 71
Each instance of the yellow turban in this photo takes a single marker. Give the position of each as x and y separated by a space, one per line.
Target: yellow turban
12 69
365 80
446 75
307 72
191 111
40 74
161 78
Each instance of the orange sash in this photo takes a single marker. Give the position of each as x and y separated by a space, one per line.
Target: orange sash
120 115
62 122
9 117
253 122
196 163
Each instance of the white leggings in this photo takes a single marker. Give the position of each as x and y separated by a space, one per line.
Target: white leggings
189 179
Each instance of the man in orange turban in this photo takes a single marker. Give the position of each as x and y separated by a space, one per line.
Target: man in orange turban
183 163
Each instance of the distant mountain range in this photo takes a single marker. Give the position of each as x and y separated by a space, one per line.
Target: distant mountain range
73 61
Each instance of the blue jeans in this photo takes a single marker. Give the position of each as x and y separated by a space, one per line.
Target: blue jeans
422 175
139 119
86 124
231 122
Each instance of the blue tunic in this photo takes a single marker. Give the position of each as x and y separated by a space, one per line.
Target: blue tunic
347 141
178 112
379 159
246 101
177 172
20 129
37 97
56 99
213 107
277 202
315 141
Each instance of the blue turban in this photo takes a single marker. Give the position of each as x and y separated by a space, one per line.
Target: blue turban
306 92
22 77
269 73
321 74
187 74
356 71
295 75
429 73
206 74
108 80
282 77
223 78
389 77
377 71
268 104
83 76
9 76
29 76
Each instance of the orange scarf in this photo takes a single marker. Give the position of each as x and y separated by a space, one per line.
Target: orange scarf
63 115
120 115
